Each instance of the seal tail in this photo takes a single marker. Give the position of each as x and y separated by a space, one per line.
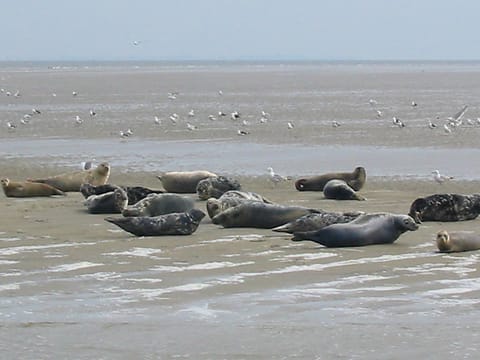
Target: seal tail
282 228
123 223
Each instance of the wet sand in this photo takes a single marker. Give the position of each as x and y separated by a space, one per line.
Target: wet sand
75 286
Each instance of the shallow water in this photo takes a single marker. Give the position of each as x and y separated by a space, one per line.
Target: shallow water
74 286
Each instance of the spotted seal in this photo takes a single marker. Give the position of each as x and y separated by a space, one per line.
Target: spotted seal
445 207
134 193
216 186
455 241
368 229
159 204
317 221
230 199
356 180
169 224
340 190
112 202
73 180
257 214
183 181
28 189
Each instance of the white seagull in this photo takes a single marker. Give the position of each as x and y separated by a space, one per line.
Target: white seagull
125 134
439 178
275 178
191 113
157 120
290 125
242 132
191 127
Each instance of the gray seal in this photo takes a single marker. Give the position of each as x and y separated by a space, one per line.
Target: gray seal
456 241
445 207
216 186
257 214
134 193
159 204
183 181
112 202
369 229
355 179
185 223
317 221
340 190
230 199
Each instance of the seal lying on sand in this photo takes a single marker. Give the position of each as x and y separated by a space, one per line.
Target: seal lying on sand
317 221
257 214
183 181
445 207
216 186
369 229
159 204
109 203
355 180
455 241
170 224
230 199
28 189
339 190
73 180
134 193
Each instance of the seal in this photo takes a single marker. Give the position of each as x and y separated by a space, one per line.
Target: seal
356 180
257 214
134 193
317 221
369 229
445 207
112 202
230 199
73 180
169 224
183 181
339 190
456 241
28 189
159 204
216 186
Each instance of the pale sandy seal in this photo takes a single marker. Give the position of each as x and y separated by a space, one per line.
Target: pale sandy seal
369 229
159 204
216 186
183 181
169 224
257 214
356 180
317 221
445 207
230 199
73 180
134 193
108 203
28 189
455 241
339 190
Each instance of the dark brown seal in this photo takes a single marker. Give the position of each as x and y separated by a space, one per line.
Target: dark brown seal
356 180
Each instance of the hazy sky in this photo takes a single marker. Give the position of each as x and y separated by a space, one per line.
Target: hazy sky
239 29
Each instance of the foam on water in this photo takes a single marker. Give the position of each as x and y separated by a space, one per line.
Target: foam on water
33 248
73 266
205 266
136 251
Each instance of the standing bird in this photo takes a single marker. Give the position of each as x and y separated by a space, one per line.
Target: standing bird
398 122
92 112
275 178
439 178
290 125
